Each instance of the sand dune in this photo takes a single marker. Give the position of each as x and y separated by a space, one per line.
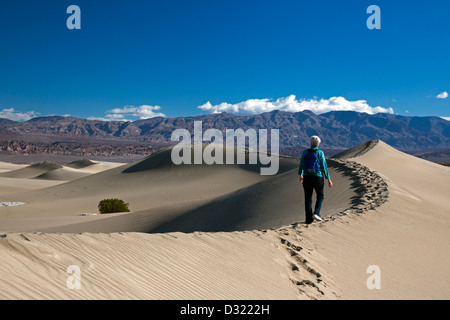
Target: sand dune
47 170
407 237
168 198
63 174
17 185
5 166
272 203
32 170
146 185
88 166
384 211
11 186
141 266
79 164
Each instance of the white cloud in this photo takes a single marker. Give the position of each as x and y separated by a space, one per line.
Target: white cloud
98 118
14 115
291 104
142 112
442 95
123 114
110 117
446 118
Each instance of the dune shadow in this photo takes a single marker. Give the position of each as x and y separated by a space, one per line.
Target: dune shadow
260 206
275 202
355 182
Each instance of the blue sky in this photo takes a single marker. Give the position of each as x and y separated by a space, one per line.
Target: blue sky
139 58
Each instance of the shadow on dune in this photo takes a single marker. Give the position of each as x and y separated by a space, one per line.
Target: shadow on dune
32 170
163 159
272 203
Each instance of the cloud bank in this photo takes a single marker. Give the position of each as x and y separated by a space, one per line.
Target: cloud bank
123 114
291 104
14 115
442 95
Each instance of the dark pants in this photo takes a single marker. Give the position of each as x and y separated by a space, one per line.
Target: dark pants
311 183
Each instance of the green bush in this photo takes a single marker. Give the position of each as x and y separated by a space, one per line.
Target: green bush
112 206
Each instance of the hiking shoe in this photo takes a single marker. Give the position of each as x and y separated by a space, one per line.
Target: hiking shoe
317 217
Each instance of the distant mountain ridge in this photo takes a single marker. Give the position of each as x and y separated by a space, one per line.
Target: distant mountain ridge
338 129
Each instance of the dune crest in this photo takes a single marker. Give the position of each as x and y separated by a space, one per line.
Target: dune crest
32 170
357 151
63 174
82 163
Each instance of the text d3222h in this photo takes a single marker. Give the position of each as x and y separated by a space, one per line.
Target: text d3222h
228 309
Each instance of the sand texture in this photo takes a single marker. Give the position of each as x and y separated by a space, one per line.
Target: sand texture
225 231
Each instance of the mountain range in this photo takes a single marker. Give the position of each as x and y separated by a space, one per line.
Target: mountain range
338 129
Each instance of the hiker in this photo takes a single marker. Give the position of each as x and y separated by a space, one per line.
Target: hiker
312 170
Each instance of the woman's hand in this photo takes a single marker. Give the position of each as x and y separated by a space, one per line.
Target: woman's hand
301 179
330 183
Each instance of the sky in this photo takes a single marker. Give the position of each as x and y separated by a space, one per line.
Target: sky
138 59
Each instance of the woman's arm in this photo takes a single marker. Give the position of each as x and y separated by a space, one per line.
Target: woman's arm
324 169
300 166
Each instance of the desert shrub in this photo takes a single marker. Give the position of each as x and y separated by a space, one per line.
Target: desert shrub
112 206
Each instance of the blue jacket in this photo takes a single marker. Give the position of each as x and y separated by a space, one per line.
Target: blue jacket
322 162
